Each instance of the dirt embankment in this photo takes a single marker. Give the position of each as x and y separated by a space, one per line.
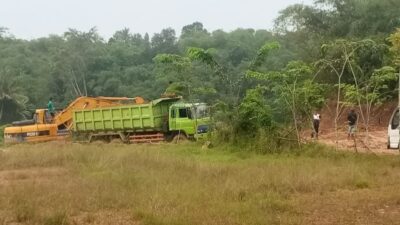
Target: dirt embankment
377 135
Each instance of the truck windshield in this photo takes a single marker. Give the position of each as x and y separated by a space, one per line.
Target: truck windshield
201 111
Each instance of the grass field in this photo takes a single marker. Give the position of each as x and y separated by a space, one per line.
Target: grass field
57 183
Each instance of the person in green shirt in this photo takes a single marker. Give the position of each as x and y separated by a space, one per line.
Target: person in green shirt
50 107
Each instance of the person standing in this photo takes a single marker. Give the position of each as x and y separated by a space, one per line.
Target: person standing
352 120
50 108
316 121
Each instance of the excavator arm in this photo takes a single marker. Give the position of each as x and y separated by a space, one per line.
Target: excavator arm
63 119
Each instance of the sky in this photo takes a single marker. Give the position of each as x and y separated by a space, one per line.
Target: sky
29 19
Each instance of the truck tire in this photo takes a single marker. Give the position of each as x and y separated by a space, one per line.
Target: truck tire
179 138
116 140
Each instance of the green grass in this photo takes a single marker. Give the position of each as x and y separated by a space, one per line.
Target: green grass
2 133
57 183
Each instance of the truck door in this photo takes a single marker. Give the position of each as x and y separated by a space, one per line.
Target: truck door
185 121
172 119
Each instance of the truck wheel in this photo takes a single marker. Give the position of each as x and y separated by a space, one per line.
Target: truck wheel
388 143
179 138
116 141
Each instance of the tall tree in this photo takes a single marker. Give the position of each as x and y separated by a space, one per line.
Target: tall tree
12 102
164 42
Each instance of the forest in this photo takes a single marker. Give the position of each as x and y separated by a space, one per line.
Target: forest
256 81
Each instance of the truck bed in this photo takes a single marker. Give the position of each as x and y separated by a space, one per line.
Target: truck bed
152 116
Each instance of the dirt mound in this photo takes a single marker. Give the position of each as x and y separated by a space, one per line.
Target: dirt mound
376 143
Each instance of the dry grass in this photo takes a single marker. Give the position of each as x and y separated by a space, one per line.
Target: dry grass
70 184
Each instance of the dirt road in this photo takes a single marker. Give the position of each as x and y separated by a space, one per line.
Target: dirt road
376 143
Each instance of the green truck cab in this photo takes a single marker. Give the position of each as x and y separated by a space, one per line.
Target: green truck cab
158 120
190 118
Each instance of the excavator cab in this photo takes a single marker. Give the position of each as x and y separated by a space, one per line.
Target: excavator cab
39 128
41 116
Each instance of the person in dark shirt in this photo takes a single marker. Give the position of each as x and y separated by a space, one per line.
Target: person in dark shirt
352 120
316 120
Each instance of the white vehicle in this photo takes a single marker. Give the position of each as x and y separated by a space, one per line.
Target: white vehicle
394 131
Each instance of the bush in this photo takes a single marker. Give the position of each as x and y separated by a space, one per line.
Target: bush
250 125
2 133
253 113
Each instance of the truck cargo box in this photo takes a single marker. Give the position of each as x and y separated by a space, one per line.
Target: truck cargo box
151 116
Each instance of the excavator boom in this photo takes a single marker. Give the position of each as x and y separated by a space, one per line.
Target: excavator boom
64 118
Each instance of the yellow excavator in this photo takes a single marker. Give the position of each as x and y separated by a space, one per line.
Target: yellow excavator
43 127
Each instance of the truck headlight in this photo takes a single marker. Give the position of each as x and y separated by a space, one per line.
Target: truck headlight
202 129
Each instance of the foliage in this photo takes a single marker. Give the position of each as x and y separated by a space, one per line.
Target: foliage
201 55
12 102
395 48
293 91
263 52
341 18
180 70
354 61
310 26
2 133
375 90
253 112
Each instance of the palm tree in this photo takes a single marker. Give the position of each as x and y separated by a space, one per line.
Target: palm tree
12 102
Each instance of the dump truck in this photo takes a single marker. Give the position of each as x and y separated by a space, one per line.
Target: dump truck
42 127
164 119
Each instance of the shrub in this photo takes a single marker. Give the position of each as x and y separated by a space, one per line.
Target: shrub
253 113
250 125
2 133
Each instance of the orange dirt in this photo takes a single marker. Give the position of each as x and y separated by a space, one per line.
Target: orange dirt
376 143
